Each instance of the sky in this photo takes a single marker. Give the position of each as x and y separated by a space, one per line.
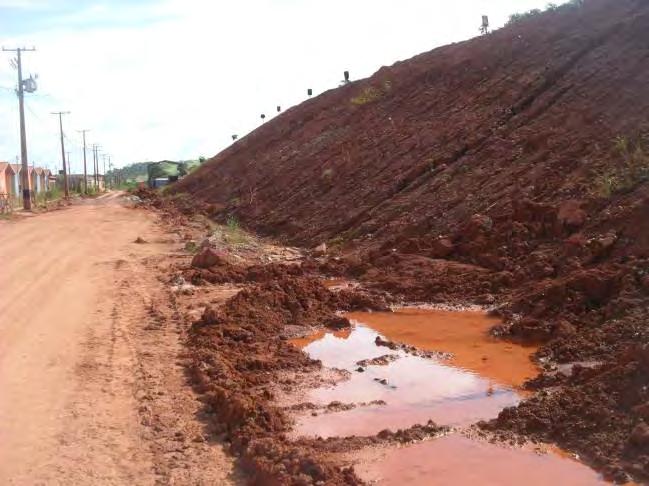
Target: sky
175 79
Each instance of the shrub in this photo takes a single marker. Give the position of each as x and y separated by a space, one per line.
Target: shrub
233 223
234 234
518 17
631 170
368 95
373 93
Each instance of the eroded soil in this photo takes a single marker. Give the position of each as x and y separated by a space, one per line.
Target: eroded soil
278 408
401 389
509 171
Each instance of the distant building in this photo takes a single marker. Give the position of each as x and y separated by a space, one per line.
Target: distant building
11 184
7 184
165 172
76 183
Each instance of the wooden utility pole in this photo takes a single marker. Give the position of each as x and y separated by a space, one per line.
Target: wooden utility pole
112 173
27 200
95 165
85 168
104 171
65 170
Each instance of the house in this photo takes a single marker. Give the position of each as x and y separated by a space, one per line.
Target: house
11 180
18 183
45 179
76 182
7 175
36 180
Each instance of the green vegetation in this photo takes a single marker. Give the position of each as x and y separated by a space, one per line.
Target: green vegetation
372 93
233 232
138 172
52 194
518 17
631 170
233 224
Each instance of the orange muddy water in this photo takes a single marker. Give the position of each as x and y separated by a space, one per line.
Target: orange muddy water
482 376
464 334
455 459
476 383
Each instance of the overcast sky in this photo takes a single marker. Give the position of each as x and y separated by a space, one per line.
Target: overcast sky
174 79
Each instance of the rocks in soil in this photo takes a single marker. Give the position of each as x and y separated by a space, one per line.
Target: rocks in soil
499 202
384 360
320 250
598 410
207 258
237 353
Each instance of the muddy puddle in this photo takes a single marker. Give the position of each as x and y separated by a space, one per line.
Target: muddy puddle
456 459
469 376
394 389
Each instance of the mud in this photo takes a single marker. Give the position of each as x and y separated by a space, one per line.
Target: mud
607 401
460 460
465 335
239 354
240 360
485 187
414 386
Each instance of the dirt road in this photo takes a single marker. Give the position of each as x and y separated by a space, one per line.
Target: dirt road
91 388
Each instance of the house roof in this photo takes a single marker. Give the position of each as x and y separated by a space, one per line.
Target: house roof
6 165
16 167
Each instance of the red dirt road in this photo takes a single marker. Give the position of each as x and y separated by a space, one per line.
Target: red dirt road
90 391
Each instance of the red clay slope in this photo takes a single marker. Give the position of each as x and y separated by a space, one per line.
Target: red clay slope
488 171
529 110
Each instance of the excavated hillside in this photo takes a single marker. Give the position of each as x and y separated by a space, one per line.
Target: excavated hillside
529 111
508 170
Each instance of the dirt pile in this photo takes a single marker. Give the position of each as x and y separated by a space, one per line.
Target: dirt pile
525 113
240 352
602 410
509 170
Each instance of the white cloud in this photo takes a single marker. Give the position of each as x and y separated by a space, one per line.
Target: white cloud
180 83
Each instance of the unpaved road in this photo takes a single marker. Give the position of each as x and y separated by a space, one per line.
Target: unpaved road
91 387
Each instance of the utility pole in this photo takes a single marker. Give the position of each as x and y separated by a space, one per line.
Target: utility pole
85 168
112 174
104 158
95 165
27 200
70 173
65 170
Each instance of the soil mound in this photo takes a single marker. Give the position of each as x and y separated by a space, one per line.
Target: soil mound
239 353
509 170
527 112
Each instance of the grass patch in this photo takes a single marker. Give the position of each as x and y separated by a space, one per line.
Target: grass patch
631 170
370 94
550 7
233 232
